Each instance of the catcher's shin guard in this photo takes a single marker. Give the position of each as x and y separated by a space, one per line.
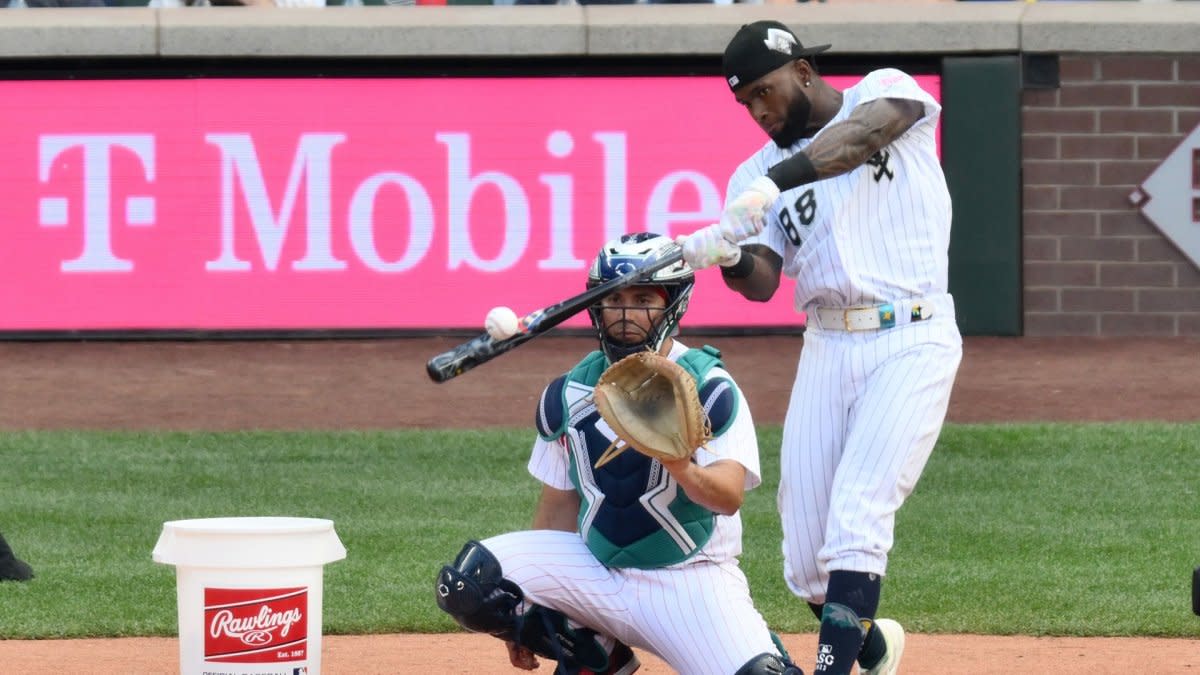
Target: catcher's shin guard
549 633
768 664
474 591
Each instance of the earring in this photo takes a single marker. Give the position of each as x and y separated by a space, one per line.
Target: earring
808 83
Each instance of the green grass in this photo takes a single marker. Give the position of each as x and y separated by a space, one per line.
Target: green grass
1031 529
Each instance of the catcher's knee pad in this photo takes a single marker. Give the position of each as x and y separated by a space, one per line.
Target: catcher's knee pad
474 591
768 664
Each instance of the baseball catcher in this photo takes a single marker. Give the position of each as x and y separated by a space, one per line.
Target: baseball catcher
625 544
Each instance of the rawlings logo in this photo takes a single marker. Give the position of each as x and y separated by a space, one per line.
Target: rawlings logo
255 625
254 630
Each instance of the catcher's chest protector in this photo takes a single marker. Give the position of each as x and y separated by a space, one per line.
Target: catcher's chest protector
632 514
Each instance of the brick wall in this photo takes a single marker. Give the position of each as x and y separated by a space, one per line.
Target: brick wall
1093 264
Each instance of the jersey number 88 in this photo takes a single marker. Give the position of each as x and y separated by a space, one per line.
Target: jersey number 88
806 211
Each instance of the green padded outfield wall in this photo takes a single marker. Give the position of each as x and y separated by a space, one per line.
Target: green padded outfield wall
981 154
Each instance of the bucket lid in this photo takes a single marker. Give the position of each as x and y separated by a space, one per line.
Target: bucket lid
248 542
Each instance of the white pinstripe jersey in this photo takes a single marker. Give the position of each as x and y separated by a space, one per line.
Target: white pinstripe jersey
876 234
549 463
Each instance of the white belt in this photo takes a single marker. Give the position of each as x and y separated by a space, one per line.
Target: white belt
874 317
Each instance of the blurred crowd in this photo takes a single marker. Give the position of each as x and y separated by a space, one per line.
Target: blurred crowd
323 3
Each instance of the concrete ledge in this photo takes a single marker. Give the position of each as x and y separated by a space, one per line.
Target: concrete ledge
424 31
84 31
1111 27
881 28
890 27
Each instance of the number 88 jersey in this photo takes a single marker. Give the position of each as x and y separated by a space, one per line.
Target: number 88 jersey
877 233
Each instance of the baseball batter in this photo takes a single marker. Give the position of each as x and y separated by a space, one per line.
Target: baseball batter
639 551
849 200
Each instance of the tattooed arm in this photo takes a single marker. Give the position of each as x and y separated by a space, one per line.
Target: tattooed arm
847 145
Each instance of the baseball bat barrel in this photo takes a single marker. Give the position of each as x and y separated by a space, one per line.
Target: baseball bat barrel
471 353
481 349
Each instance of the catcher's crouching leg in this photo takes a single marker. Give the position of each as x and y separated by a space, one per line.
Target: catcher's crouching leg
475 593
768 664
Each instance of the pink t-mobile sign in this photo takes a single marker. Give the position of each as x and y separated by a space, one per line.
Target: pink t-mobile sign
283 204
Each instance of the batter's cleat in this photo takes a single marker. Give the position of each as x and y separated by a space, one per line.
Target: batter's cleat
893 637
622 661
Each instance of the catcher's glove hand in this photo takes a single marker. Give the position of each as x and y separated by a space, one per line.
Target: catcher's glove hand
652 405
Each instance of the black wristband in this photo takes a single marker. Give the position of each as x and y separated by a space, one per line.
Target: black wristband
793 172
743 268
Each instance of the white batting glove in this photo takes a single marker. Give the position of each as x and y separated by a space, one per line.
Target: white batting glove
707 247
746 215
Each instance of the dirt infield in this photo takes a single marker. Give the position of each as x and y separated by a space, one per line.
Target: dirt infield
483 655
381 384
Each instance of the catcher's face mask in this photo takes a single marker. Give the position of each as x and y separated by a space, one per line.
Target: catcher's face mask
673 284
632 315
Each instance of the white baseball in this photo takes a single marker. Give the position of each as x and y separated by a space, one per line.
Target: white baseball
502 323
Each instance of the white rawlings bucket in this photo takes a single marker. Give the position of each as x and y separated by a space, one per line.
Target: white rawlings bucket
249 592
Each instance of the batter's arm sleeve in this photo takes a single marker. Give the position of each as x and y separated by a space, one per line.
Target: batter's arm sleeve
556 510
896 85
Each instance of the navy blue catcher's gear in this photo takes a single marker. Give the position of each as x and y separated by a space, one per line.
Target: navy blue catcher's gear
620 531
475 593
768 664
624 255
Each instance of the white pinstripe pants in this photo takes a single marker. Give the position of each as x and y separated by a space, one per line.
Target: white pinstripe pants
865 413
699 618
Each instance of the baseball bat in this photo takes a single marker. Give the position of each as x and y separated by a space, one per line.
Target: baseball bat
479 350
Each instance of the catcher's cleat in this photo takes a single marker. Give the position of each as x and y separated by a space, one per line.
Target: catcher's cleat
622 661
893 637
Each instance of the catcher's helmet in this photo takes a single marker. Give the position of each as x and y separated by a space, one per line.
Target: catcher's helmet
625 254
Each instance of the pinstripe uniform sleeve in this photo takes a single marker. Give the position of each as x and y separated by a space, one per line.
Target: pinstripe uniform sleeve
548 460
548 463
892 83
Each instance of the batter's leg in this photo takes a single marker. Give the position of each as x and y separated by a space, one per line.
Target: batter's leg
812 439
892 429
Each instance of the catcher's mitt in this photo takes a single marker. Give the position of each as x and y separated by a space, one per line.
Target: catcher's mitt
651 403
